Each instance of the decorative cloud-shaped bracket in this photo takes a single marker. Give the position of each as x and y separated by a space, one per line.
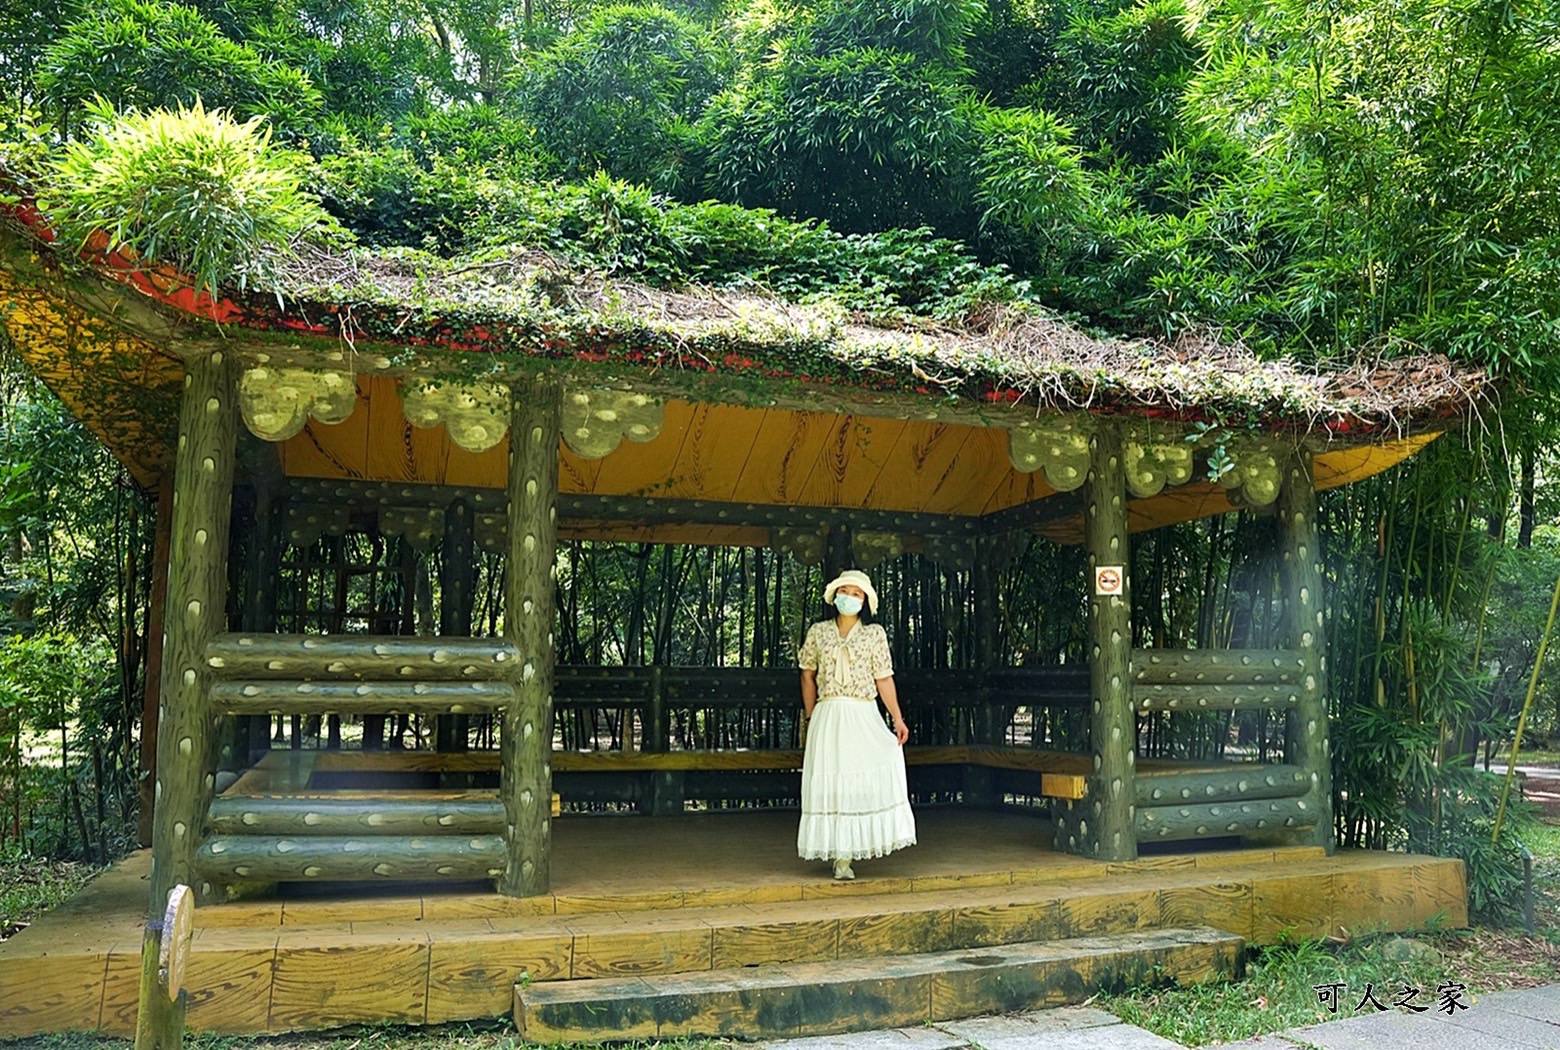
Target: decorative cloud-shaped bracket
277 402
594 422
476 414
1150 467
422 527
1060 447
805 545
1256 475
871 549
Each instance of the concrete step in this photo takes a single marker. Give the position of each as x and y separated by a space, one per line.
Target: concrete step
822 998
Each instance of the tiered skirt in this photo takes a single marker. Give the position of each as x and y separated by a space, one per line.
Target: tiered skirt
855 804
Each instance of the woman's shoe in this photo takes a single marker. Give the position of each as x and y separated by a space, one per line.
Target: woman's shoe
842 869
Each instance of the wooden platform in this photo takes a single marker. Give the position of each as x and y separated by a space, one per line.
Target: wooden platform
638 896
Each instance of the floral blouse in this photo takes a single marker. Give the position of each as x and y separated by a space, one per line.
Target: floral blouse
847 666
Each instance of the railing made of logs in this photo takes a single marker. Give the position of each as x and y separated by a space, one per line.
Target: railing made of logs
304 657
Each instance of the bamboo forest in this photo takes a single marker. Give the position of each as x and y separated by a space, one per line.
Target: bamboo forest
1213 225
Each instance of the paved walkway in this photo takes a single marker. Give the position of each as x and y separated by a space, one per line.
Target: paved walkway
1528 1019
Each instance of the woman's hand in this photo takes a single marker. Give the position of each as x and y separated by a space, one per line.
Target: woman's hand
901 731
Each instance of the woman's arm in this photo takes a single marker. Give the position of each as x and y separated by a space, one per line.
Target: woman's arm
809 691
885 687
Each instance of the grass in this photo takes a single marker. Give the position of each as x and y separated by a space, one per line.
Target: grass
1280 989
493 1036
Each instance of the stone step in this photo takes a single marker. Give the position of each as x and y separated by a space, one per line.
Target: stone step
822 998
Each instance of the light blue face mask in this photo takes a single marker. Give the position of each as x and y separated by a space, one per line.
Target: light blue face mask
848 604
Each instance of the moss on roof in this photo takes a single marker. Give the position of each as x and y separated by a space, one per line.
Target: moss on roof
523 301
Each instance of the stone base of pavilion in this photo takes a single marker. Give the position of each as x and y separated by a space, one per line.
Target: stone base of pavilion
700 893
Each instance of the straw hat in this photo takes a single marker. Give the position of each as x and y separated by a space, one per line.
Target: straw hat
855 578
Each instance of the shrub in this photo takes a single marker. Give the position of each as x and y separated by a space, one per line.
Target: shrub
388 198
191 188
144 53
620 93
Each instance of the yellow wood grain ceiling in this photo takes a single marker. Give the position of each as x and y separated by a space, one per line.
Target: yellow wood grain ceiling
770 456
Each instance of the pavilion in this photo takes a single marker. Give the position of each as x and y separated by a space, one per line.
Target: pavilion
502 405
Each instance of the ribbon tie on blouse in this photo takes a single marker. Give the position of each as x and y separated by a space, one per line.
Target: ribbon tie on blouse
841 675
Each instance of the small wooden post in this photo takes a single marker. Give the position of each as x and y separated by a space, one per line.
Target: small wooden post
264 569
526 739
457 580
154 658
989 728
665 787
1103 825
980 782
196 610
165 949
837 556
1306 741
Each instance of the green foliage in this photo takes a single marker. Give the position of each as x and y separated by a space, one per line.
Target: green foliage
1280 991
387 198
150 53
1030 180
1407 173
25 31
43 680
30 886
620 93
1120 78
192 188
865 138
932 31
470 134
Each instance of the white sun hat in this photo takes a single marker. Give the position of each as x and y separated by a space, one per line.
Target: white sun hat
855 578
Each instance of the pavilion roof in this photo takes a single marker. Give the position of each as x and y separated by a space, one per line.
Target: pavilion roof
525 303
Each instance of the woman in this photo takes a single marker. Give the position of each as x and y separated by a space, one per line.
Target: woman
854 801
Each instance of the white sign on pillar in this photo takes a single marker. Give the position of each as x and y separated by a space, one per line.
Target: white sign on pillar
1108 580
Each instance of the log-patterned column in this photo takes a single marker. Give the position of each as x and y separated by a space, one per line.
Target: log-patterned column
1102 825
528 623
1307 743
195 609
457 595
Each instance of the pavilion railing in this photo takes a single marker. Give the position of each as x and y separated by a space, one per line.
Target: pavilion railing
1219 799
457 830
384 834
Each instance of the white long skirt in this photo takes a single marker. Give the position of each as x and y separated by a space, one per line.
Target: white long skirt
855 804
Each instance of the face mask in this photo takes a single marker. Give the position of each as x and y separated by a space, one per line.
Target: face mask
848 604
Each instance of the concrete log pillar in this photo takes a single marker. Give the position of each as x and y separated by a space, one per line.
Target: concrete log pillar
529 598
195 609
1307 742
1103 824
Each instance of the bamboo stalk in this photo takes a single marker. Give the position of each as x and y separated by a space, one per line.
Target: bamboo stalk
1527 706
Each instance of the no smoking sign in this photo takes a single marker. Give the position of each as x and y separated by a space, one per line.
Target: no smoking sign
1108 580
